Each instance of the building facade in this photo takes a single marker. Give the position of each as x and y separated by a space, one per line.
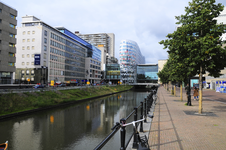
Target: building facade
93 66
214 82
8 33
161 64
112 73
46 53
147 73
130 56
105 42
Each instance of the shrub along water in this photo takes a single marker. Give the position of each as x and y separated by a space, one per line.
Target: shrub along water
18 102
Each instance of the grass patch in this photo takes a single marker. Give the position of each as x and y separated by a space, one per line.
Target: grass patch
18 102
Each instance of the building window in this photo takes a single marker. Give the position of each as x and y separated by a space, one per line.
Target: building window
32 63
28 40
11 64
22 55
33 32
0 10
0 20
0 31
11 45
27 63
23 63
44 55
45 48
33 40
28 55
45 40
12 16
27 72
32 79
32 55
23 40
12 25
0 51
23 48
24 32
28 48
45 33
11 54
33 47
44 63
28 32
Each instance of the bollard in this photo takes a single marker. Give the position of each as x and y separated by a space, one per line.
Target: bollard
141 117
123 134
145 109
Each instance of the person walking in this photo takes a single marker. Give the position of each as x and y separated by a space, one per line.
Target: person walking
196 94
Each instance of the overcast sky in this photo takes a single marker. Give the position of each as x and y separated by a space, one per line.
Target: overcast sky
146 22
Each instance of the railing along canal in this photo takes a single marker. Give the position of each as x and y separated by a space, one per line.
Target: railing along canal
138 142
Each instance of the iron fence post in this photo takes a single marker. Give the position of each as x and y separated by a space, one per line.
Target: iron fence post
123 134
141 117
145 109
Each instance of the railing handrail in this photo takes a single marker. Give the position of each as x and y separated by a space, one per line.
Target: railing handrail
122 124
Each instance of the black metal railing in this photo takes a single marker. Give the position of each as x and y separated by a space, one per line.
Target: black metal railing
145 107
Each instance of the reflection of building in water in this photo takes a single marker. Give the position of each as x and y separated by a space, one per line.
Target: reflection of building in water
24 136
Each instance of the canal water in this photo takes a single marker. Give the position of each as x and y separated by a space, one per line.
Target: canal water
75 127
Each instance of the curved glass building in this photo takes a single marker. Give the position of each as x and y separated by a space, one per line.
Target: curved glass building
129 56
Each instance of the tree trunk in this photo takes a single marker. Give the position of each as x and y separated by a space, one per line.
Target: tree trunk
200 90
174 90
181 92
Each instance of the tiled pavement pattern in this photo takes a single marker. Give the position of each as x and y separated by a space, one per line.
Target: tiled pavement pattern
178 127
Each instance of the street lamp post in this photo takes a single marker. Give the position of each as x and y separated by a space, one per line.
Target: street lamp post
189 92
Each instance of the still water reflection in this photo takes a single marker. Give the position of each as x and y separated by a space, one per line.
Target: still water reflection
75 127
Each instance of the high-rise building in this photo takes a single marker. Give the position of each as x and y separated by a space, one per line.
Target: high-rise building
8 33
105 42
46 53
130 56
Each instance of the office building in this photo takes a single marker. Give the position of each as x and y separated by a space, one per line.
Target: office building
147 73
130 56
8 33
46 53
112 73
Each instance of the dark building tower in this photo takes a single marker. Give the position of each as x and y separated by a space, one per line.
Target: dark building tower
8 33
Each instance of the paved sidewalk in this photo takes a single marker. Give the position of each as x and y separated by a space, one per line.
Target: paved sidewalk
179 127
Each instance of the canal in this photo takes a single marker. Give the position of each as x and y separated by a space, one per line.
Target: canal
74 127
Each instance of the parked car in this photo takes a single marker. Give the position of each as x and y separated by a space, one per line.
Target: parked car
38 86
62 85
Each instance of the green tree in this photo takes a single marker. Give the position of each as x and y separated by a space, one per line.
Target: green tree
200 42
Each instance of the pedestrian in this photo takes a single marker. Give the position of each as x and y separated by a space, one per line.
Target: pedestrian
196 94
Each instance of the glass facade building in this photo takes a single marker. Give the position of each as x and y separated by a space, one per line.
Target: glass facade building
147 73
112 73
130 56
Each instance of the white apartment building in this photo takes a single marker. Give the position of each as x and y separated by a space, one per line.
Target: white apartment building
45 53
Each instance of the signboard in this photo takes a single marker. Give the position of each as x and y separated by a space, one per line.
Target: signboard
37 58
52 82
115 72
